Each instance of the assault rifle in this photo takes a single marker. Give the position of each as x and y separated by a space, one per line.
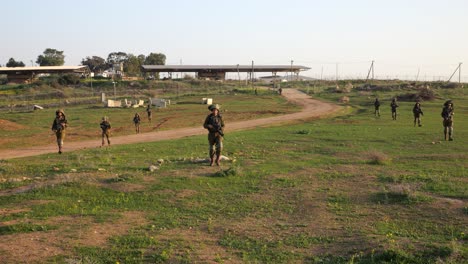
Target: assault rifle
218 129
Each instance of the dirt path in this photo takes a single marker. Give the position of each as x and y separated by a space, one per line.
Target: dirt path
311 109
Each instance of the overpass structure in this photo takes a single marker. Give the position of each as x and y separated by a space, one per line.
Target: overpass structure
27 74
218 72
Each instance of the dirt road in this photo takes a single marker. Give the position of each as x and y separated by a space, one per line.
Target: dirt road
310 108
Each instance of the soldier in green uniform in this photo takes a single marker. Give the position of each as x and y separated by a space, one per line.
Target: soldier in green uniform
136 121
105 126
58 126
417 112
447 115
215 125
394 106
149 112
377 107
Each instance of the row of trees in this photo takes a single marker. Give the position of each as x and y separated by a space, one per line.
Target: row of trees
131 63
50 57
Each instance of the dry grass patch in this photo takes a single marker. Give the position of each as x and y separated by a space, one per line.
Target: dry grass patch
36 247
203 246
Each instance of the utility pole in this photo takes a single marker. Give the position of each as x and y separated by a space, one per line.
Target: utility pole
459 73
292 70
417 76
252 73
238 74
371 69
336 73
321 74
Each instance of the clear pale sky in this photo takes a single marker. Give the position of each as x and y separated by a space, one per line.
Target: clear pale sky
402 36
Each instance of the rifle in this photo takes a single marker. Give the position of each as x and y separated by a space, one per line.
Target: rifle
218 129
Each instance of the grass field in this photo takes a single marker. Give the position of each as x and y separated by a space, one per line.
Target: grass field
348 189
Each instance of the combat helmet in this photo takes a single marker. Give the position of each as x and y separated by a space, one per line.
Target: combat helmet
213 106
59 111
448 102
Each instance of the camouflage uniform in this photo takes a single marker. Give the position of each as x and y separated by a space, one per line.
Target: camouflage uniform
394 106
58 126
215 125
377 106
148 111
417 112
136 121
447 115
105 126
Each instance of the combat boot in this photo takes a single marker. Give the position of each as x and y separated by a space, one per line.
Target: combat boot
212 160
218 158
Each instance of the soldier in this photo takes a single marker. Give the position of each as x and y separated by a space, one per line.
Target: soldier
417 112
148 111
136 121
105 126
280 91
447 115
394 106
58 126
377 106
215 125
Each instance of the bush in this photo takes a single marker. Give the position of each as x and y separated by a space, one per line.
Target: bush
424 94
378 158
69 79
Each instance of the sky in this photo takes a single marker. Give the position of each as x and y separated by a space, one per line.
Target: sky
333 38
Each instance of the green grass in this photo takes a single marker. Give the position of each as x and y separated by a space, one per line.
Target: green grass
349 189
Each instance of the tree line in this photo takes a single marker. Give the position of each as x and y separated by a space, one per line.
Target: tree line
131 63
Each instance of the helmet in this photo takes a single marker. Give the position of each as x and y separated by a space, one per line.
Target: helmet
59 111
213 106
104 118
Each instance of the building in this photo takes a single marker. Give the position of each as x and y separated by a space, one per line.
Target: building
218 72
28 74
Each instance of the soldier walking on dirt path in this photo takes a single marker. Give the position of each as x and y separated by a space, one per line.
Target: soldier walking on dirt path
215 125
149 112
58 126
394 106
105 126
136 121
377 107
447 115
417 112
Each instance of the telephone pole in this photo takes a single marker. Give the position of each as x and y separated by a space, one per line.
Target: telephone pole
371 69
459 73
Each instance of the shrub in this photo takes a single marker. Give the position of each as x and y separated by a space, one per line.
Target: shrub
69 79
378 158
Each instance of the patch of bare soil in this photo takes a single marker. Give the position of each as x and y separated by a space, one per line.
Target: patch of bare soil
36 247
204 245
10 126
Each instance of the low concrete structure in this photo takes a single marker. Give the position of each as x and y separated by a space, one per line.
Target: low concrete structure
158 102
114 103
207 101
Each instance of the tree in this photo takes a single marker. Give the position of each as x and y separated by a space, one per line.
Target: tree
95 63
51 57
132 65
155 59
117 57
12 63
